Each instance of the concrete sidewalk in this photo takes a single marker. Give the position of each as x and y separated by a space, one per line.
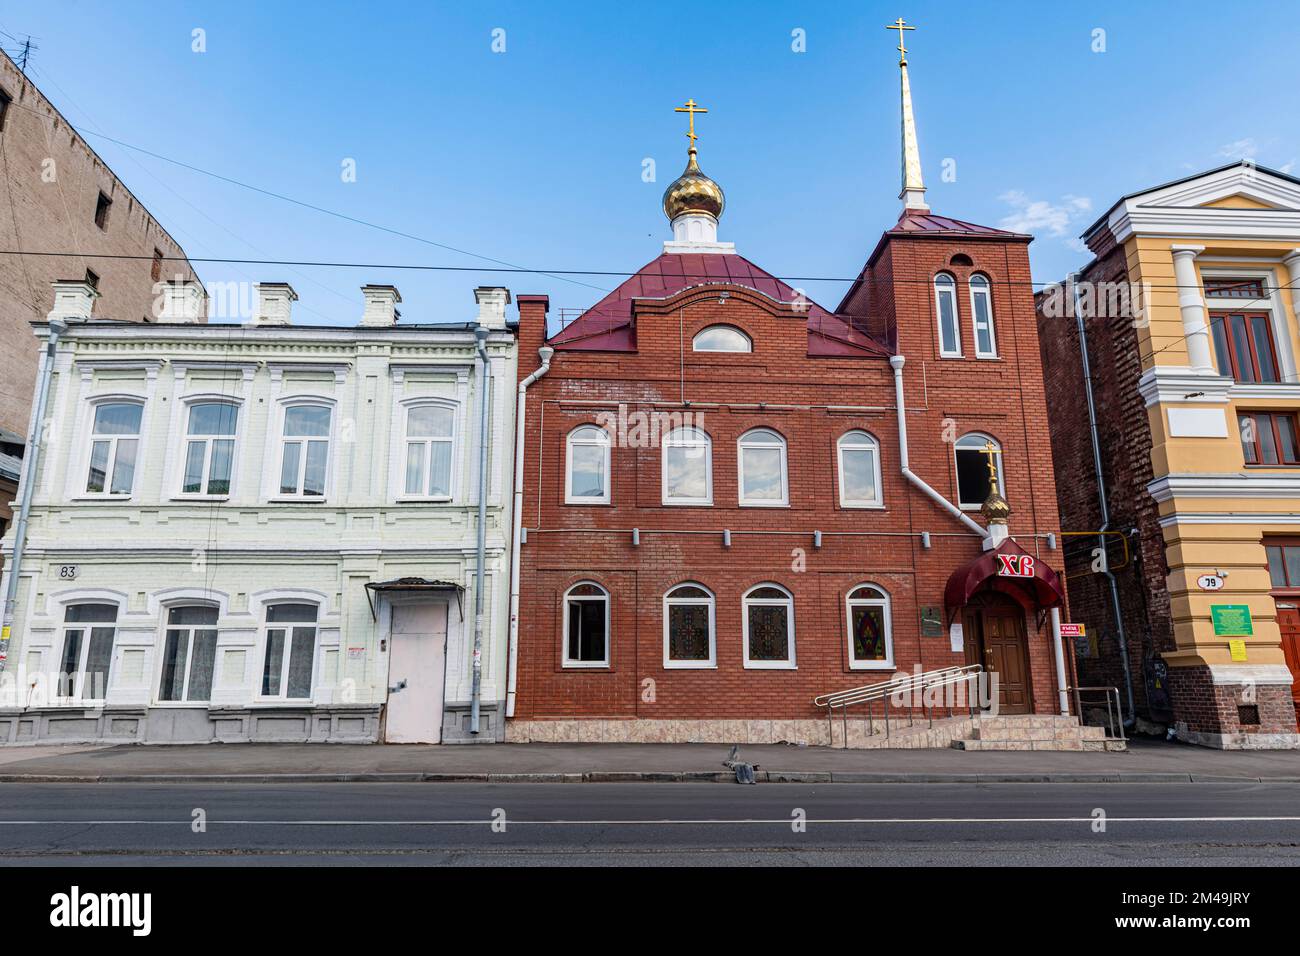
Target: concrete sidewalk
1145 762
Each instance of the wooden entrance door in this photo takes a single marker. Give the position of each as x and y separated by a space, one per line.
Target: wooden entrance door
997 632
1288 621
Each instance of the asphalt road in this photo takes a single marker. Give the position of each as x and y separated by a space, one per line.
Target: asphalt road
651 824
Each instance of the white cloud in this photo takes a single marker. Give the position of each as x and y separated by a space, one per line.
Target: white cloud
1240 149
1039 215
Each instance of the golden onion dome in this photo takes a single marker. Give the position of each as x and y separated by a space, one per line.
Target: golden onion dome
693 191
995 508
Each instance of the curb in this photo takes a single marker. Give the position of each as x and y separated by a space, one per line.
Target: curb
639 776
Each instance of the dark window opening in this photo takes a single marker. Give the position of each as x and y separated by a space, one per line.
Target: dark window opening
1234 289
101 211
587 631
1243 346
1248 715
92 279
5 100
960 259
1269 438
155 271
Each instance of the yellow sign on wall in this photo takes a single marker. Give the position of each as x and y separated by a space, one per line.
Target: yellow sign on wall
1238 650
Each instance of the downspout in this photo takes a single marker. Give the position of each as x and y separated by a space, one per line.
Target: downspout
485 408
31 460
1101 500
517 516
896 362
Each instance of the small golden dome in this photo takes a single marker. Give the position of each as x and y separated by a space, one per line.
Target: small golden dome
995 508
693 191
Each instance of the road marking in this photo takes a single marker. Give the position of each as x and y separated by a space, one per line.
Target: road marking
784 821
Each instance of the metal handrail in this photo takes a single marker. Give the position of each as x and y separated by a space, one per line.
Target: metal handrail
869 693
1112 720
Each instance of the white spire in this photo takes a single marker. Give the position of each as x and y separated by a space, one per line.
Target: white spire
913 193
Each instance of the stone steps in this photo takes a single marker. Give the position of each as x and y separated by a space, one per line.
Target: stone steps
1036 732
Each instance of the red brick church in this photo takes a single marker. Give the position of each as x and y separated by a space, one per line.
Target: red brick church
722 513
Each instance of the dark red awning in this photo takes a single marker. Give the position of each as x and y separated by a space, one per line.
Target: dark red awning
1039 588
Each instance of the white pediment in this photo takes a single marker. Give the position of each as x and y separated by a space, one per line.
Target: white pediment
1243 201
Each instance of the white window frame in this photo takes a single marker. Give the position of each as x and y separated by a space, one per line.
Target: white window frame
858 440
609 637
883 602
708 599
788 602
945 283
984 438
83 657
405 440
259 665
163 611
985 290
188 404
748 440
89 449
686 437
579 436
749 343
277 465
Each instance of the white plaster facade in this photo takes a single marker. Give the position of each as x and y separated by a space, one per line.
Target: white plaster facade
155 547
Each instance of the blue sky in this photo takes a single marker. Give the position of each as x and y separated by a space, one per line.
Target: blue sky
534 155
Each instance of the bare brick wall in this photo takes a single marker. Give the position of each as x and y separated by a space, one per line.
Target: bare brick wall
571 543
52 181
1125 440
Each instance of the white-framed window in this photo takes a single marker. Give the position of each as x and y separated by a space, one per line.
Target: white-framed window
768 611
189 655
430 446
981 311
586 626
945 304
721 338
971 453
687 467
586 472
289 651
859 461
114 447
871 639
690 638
305 450
761 461
210 431
88 631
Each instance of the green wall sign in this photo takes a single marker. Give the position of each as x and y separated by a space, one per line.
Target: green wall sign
1231 619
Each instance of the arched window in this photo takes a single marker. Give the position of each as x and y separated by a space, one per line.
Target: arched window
289 651
981 310
586 476
945 301
687 467
721 338
305 450
114 444
209 448
586 626
762 463
689 638
972 453
871 641
768 611
859 455
88 631
430 437
189 653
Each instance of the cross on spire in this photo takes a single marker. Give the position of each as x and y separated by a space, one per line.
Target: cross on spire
691 109
900 25
991 452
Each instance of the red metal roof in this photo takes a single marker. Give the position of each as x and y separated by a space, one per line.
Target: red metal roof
914 221
607 325
1043 590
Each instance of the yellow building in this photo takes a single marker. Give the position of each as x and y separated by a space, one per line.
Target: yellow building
1187 317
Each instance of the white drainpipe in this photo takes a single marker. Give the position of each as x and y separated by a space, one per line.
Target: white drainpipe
485 406
1059 649
517 516
896 362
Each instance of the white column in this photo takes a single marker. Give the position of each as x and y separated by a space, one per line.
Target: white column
1292 263
1192 306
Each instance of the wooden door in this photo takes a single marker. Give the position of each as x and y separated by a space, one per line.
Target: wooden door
1288 621
1006 653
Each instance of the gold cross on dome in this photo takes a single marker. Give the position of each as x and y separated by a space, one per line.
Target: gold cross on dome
691 109
990 452
900 26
